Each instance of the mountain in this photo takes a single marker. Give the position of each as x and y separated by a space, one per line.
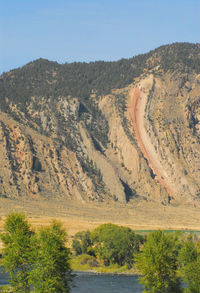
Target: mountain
104 131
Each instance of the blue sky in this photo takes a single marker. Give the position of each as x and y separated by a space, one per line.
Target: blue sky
88 30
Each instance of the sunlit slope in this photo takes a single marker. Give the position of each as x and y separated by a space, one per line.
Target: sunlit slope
72 131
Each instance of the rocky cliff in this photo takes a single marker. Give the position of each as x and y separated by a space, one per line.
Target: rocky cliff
123 131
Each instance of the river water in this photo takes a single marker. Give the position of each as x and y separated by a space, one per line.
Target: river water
98 283
3 278
106 283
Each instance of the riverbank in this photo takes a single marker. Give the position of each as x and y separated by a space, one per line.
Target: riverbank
87 263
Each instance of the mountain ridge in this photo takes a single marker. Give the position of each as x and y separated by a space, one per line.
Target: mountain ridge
67 131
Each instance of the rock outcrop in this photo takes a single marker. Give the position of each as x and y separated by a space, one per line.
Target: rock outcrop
138 140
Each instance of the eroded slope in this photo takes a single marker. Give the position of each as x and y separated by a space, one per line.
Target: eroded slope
122 131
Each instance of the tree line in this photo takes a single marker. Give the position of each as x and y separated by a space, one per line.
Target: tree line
163 259
50 79
40 261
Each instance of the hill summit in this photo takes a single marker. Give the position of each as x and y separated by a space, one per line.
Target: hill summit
104 131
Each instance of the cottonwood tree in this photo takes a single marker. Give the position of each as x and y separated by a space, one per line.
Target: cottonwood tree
158 263
38 261
52 272
115 244
16 255
82 243
190 264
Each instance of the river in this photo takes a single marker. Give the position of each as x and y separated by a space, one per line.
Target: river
106 283
98 283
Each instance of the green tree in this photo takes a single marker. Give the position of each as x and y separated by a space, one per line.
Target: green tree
115 244
190 264
82 243
17 241
51 272
38 260
158 263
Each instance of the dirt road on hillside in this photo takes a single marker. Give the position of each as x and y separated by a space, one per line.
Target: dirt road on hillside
139 100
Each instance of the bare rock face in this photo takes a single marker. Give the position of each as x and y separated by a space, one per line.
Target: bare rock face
161 130
136 139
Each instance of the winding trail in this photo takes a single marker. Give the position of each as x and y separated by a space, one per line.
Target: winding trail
139 99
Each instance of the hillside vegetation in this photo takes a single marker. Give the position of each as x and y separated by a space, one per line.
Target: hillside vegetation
66 130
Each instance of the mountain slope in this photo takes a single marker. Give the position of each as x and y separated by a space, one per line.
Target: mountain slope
72 130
